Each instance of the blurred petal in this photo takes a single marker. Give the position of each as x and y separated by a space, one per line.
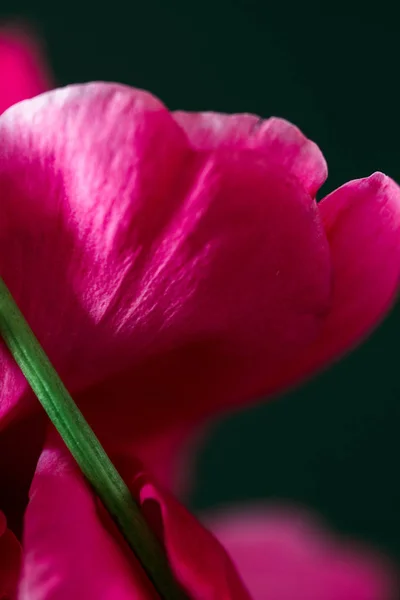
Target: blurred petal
284 556
279 141
23 73
73 550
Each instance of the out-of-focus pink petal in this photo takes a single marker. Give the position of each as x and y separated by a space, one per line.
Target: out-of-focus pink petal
279 141
362 225
10 561
288 557
23 73
73 550
136 258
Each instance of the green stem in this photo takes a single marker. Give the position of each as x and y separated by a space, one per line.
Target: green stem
84 445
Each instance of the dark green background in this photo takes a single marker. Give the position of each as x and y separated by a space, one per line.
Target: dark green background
332 445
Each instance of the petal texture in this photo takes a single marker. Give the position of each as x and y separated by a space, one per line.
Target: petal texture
280 142
148 258
174 266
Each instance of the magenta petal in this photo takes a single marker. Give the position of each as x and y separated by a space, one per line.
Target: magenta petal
132 255
68 553
22 69
82 210
198 561
284 556
279 141
73 550
362 224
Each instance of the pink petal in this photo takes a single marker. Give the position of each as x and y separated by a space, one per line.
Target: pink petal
73 550
284 556
143 264
23 73
79 213
279 141
198 561
67 551
362 224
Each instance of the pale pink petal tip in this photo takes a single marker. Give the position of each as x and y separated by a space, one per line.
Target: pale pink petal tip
276 139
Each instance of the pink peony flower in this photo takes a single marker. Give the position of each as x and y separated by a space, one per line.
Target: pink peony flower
172 266
176 266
